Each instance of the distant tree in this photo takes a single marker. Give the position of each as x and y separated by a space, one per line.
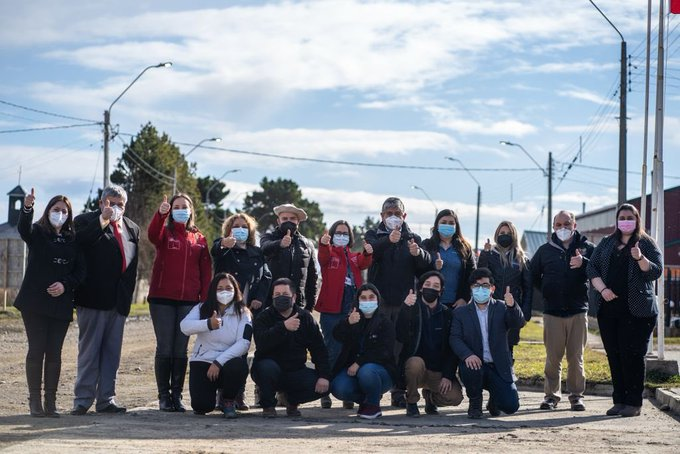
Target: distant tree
260 205
212 201
360 230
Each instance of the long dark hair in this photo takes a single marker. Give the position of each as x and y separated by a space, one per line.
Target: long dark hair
68 229
458 241
211 304
639 230
191 227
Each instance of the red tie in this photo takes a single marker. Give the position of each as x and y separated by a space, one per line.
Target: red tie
119 238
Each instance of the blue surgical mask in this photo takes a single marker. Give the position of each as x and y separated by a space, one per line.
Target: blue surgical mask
446 230
181 216
368 307
240 233
340 240
481 295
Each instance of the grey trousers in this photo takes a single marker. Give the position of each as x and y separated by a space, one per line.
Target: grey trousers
99 345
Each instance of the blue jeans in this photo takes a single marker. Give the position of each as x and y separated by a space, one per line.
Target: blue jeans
367 386
328 323
504 394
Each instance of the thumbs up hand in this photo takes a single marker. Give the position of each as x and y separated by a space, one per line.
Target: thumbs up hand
286 240
107 211
413 247
439 263
410 298
29 200
509 299
487 245
577 260
368 249
395 236
228 242
635 252
215 321
165 206
325 238
293 323
354 317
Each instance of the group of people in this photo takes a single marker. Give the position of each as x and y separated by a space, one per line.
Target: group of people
430 315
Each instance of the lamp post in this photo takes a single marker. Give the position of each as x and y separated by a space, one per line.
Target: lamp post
548 174
214 185
428 198
622 112
174 177
107 118
479 198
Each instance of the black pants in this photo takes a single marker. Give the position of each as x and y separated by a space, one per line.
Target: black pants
45 340
625 340
298 384
170 340
231 380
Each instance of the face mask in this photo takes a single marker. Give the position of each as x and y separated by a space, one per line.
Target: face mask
181 216
481 295
368 307
564 234
240 233
225 297
57 218
504 240
430 295
393 222
340 240
446 230
117 213
626 226
282 303
288 225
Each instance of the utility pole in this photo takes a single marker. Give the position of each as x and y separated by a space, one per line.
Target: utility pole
550 191
479 205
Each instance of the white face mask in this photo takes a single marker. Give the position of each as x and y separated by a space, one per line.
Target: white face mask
564 234
225 297
393 222
117 213
57 218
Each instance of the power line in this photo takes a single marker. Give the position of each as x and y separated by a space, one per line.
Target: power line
46 113
9 131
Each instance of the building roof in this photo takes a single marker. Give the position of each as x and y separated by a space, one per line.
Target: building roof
532 240
8 231
18 190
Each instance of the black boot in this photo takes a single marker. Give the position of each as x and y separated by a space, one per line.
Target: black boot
162 369
52 372
34 380
179 371
475 408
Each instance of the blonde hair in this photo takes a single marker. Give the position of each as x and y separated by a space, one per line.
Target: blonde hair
250 222
515 248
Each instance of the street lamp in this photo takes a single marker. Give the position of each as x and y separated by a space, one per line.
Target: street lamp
174 178
428 198
214 185
622 112
479 198
107 118
547 174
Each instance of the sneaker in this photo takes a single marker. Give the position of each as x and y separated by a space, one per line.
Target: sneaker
578 405
549 403
229 409
615 410
326 402
629 411
412 410
430 407
269 412
347 404
474 413
79 410
112 408
492 408
368 411
292 411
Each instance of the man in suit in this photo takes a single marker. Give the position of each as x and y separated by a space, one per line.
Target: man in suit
109 241
479 338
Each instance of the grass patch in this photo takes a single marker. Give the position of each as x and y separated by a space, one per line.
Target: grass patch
658 380
530 363
12 313
139 309
532 332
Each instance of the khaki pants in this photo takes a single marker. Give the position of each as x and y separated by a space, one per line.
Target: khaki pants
418 376
560 334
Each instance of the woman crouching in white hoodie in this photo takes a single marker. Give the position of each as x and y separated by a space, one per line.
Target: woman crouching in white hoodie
223 328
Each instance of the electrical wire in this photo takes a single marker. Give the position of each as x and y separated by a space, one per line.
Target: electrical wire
7 103
10 131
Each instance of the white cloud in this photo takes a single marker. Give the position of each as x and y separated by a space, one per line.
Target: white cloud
453 120
562 67
586 95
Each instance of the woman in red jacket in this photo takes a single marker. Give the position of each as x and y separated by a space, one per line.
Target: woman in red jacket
341 275
180 279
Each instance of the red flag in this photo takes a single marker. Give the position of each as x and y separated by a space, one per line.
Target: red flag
675 6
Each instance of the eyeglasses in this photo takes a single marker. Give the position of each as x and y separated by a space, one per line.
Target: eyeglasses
485 286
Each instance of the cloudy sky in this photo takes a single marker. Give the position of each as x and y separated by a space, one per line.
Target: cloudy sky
378 82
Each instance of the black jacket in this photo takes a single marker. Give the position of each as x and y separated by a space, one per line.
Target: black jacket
564 289
377 336
51 258
247 266
518 278
106 287
297 262
467 267
410 334
289 348
394 270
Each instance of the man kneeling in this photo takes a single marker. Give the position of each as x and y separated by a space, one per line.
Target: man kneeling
479 337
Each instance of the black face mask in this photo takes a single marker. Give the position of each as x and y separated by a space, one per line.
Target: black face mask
504 240
288 225
282 303
430 295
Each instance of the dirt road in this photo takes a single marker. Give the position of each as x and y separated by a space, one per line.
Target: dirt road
144 429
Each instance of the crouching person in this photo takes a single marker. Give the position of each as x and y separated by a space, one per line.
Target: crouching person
426 360
479 338
224 330
284 333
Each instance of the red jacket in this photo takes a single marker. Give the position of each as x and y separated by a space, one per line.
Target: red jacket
182 270
333 264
